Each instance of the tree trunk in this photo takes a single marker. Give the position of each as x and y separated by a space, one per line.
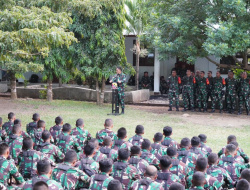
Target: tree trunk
97 92
102 91
49 90
60 82
137 63
13 86
245 60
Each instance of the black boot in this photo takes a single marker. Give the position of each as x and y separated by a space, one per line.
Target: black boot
212 111
232 111
122 111
170 108
192 109
247 112
229 111
221 111
199 110
240 111
205 110
184 110
177 108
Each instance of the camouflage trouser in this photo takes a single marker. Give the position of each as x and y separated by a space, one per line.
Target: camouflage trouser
244 98
209 95
231 101
121 96
175 95
195 98
188 97
202 99
217 97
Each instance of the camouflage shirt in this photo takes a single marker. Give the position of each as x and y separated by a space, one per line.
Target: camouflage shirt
187 158
166 178
94 165
100 135
97 157
119 143
205 149
139 163
37 137
66 142
149 157
168 142
197 151
3 135
110 153
158 150
55 131
16 144
240 152
31 127
136 140
7 126
81 135
100 181
2 187
146 184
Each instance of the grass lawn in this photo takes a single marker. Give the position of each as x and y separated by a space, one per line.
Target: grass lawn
153 122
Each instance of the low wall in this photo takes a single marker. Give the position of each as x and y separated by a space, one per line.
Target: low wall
81 94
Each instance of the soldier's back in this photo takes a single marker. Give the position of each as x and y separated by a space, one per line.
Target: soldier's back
100 135
136 140
100 181
146 184
55 131
167 179
139 163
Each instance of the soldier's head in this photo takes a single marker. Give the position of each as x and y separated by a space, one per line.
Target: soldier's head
202 74
195 141
118 70
123 154
209 74
158 137
114 185
188 72
235 144
11 116
80 123
59 120
198 179
244 75
71 157
197 73
36 117
18 122
66 128
218 74
4 150
41 124
1 122
231 138
230 150
122 133
89 149
167 131
174 73
135 151
44 168
185 143
27 143
40 185
151 172
245 174
176 186
139 130
212 159
165 163
230 74
146 144
203 138
105 165
107 141
243 185
172 152
17 130
108 124
46 136
146 74
95 142
201 164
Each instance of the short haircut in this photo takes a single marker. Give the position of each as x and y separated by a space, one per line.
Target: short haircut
40 124
46 135
231 138
203 137
230 71
195 141
151 171
43 167
108 122
94 141
218 71
158 137
210 72
198 179
27 143
1 121
230 148
185 142
242 185
146 144
3 148
123 153
167 131
16 129
107 141
66 127
17 121
176 186
40 185
79 122
114 185
122 133
165 162
89 149
212 158
70 156
135 150
245 174
11 115
58 120
139 129
119 67
36 117
234 143
201 163
203 72
171 151
105 165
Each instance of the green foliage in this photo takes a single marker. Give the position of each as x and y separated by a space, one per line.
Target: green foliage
43 93
237 73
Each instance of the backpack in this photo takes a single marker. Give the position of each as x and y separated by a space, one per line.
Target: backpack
11 140
99 178
119 166
105 150
134 161
155 146
8 127
136 140
85 165
166 142
232 169
65 169
144 182
35 180
195 150
63 142
184 153
31 127
41 146
54 131
30 172
38 137
118 144
164 177
176 163
144 155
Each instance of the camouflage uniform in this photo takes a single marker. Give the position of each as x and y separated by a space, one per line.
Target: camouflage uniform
145 81
51 183
2 187
81 135
146 184
205 149
110 153
168 142
31 127
209 89
119 143
163 86
97 157
188 91
100 135
217 92
166 178
3 135
100 181
244 91
187 157
124 172
173 90
37 137
55 131
16 144
202 93
231 89
7 126
149 157
121 88
70 177
197 151
197 188
136 140
196 92
90 162
240 152
157 148
139 163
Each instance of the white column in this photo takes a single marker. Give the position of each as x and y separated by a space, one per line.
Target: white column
157 67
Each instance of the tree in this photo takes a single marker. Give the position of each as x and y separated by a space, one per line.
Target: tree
200 28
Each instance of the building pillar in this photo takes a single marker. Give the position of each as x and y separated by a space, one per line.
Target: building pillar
157 68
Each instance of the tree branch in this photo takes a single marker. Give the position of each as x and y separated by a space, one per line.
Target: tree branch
212 61
29 54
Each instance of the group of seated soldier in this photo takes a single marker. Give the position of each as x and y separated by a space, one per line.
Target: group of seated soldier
66 158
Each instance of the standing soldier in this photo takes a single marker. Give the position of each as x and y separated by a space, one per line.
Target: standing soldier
197 76
244 90
209 87
120 79
231 88
217 86
173 82
202 91
188 91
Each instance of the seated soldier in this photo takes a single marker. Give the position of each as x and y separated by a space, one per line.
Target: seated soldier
50 150
165 177
120 142
8 168
219 173
18 122
176 186
138 138
163 85
237 157
33 125
3 133
168 141
37 138
40 185
204 147
56 129
106 149
107 131
198 181
148 182
195 147
69 176
114 185
243 185
240 151
201 166
146 155
156 146
80 133
122 170
245 174
7 126
135 160
178 167
101 180
43 174
145 81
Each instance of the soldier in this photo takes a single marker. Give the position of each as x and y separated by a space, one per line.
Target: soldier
197 76
7 126
107 131
231 90
106 149
3 133
168 141
120 79
195 144
122 170
244 91
202 91
165 177
237 158
204 147
217 86
37 138
209 87
243 185
71 178
8 168
146 155
98 155
163 85
40 185
56 129
100 181
43 174
148 182
198 181
157 146
245 174
50 150
135 160
188 91
80 133
145 81
138 138
176 186
115 185
120 142
173 82
18 122
33 125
